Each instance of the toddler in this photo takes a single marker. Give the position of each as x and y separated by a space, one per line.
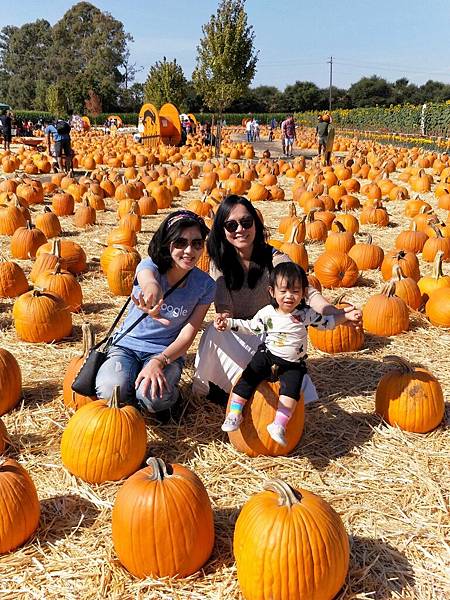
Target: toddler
283 324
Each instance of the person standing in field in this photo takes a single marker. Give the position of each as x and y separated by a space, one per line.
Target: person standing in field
322 134
330 139
289 135
6 123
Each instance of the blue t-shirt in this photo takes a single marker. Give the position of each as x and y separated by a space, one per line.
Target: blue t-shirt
58 137
149 335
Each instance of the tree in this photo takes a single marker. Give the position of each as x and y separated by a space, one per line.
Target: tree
369 91
226 59
165 83
88 48
24 52
56 104
303 95
131 99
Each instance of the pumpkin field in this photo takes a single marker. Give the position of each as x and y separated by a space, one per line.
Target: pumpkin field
373 229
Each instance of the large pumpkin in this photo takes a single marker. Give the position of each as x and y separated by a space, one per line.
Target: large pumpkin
289 544
103 442
20 505
252 437
343 338
10 381
162 522
41 317
409 397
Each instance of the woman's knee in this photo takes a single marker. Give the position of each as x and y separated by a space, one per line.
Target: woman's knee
115 372
170 394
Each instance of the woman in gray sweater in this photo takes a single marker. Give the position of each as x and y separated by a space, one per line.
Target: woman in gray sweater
241 262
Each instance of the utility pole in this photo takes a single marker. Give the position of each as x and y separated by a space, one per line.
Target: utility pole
330 62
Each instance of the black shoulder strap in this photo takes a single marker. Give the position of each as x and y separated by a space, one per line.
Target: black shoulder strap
108 338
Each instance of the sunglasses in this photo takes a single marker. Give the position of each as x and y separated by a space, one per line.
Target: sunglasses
181 243
232 225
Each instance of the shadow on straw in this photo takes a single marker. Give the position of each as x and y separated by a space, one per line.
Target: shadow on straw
65 516
377 570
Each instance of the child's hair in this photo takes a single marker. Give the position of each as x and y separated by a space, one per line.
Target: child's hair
292 274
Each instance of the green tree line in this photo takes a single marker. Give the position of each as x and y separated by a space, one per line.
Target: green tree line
83 62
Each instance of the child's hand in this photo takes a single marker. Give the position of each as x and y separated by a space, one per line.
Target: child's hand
353 314
220 322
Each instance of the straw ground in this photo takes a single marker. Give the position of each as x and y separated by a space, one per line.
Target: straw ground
391 488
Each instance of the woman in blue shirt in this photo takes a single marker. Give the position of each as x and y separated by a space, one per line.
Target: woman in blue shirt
147 362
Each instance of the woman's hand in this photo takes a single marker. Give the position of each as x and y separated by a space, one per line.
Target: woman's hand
147 305
152 375
220 321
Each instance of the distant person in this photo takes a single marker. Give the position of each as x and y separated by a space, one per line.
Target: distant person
283 139
330 139
62 149
273 125
289 135
256 130
6 123
249 130
321 134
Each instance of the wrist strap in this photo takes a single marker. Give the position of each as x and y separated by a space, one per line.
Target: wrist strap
108 337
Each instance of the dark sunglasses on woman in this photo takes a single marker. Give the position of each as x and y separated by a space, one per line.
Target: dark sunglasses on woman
232 225
181 243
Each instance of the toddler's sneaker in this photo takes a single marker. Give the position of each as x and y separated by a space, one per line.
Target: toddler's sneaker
232 422
277 433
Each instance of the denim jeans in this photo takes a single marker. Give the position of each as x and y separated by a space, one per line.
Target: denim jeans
122 367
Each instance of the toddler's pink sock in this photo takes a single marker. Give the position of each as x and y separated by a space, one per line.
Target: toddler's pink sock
283 415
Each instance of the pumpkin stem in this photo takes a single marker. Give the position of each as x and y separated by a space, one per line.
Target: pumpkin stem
437 265
88 338
397 273
159 467
400 363
388 289
288 496
115 397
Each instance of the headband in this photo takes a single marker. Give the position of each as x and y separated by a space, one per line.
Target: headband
184 214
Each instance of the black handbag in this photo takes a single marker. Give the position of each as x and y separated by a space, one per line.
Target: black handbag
84 382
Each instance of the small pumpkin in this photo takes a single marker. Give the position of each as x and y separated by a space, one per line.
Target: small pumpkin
438 307
335 269
408 262
406 288
367 255
343 338
10 381
428 283
409 397
48 223
162 522
13 281
20 505
26 241
386 314
41 317
62 283
70 398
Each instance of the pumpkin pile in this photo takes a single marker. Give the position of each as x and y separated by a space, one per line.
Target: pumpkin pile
373 227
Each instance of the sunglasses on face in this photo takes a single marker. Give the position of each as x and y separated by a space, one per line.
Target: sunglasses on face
181 243
232 225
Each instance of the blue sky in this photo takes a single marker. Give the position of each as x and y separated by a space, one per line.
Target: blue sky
390 38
